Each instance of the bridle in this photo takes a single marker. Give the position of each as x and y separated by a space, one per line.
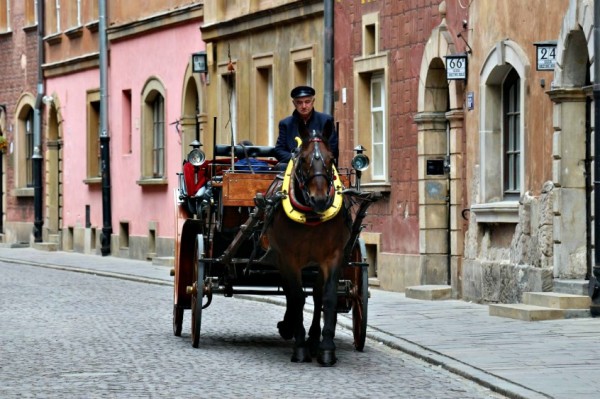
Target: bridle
303 178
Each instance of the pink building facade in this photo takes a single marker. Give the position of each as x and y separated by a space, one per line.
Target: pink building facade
150 88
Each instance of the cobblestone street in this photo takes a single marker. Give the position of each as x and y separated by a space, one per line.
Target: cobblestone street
73 335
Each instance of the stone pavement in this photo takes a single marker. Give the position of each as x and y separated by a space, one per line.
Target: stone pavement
520 359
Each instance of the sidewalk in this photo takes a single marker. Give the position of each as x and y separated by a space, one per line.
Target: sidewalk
558 358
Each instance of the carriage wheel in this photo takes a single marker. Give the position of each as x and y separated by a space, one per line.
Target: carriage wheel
177 320
360 297
198 292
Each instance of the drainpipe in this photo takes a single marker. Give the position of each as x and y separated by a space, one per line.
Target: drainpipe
594 283
328 58
447 169
38 220
104 137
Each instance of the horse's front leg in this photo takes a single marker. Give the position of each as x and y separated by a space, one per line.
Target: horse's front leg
327 347
314 333
294 318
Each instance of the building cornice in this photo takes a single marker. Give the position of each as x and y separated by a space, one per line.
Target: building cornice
191 13
64 67
263 19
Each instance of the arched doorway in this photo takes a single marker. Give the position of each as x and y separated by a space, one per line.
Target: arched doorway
572 148
54 168
440 123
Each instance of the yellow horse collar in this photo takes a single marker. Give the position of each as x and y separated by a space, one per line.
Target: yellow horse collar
301 216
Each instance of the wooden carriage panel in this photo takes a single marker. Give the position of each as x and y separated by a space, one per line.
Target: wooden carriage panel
239 189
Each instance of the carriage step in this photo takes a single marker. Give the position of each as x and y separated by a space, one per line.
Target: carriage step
429 292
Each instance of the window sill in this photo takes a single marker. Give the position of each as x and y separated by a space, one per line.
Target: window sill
376 186
6 33
92 26
53 39
75 32
146 181
30 28
93 180
23 192
496 212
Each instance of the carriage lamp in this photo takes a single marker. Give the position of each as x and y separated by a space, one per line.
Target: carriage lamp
360 162
196 156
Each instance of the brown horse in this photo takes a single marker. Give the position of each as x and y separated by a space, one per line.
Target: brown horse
295 246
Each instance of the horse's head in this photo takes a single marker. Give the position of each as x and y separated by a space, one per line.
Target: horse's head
314 168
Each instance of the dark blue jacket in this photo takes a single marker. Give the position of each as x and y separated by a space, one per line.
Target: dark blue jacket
288 130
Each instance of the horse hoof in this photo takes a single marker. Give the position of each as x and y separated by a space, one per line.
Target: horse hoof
327 358
284 330
301 355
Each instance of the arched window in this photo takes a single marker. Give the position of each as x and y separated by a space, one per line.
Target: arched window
153 151
502 133
24 146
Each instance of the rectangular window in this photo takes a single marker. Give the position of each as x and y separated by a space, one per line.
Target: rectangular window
31 12
512 135
57 15
126 121
378 142
74 13
5 15
93 135
265 119
229 107
303 73
158 136
29 149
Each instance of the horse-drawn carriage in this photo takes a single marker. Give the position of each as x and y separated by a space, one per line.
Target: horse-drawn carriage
263 232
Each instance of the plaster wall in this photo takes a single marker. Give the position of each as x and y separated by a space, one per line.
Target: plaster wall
133 63
507 255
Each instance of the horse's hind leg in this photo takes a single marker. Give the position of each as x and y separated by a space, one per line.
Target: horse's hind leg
327 347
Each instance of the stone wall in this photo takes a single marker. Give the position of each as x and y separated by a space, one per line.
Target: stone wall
504 260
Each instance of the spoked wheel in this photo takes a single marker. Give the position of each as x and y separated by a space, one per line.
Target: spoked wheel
198 290
360 295
177 320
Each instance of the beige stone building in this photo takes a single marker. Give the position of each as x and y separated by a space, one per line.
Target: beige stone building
528 152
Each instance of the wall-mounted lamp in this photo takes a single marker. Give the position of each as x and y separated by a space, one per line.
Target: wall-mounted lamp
199 62
48 100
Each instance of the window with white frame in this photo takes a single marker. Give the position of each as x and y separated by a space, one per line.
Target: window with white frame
57 14
5 15
229 106
74 13
378 139
31 12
